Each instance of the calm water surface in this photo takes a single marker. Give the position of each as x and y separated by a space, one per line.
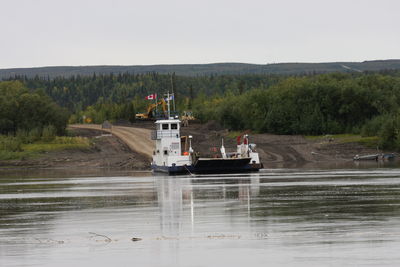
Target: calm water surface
275 217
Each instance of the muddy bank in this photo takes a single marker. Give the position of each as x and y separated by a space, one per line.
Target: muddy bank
276 151
107 151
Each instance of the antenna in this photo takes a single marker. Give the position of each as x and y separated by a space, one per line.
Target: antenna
169 111
222 149
156 106
172 88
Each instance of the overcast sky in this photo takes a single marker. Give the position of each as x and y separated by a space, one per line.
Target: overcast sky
132 32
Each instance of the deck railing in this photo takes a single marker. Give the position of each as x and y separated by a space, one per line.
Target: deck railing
164 115
156 135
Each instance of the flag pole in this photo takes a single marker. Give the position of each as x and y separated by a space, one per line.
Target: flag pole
169 112
172 87
156 105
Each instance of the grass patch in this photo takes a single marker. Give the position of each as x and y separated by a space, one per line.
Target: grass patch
59 143
370 141
234 134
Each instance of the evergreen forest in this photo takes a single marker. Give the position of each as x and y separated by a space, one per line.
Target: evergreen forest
366 103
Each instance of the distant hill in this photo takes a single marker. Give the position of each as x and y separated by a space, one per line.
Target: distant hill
207 69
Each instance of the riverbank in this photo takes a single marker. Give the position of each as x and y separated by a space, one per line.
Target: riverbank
284 151
130 148
106 151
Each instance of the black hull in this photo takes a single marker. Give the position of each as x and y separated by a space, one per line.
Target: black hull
213 166
219 170
220 165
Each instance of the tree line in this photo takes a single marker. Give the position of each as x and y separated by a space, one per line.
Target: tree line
23 110
362 103
76 93
367 104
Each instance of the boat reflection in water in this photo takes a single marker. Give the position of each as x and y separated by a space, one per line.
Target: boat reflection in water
280 217
180 199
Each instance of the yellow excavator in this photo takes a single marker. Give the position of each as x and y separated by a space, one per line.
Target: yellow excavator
149 113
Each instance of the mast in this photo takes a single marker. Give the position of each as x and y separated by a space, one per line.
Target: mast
169 111
172 88
156 106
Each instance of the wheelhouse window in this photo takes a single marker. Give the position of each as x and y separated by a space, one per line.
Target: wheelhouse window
165 126
174 126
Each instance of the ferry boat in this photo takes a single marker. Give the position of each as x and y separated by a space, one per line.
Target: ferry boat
174 154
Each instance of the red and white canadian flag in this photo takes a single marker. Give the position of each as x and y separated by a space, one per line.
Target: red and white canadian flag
151 97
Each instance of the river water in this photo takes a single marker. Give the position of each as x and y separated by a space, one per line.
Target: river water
277 217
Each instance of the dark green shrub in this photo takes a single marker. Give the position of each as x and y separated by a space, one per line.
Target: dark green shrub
49 133
10 143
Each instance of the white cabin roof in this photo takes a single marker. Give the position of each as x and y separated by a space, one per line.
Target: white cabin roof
168 121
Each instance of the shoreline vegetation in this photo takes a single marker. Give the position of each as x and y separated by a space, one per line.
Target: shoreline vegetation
92 148
358 108
13 148
31 123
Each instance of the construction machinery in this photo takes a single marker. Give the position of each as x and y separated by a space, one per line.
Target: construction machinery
186 117
149 114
